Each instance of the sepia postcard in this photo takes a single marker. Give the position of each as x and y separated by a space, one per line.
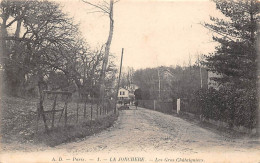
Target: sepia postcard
120 81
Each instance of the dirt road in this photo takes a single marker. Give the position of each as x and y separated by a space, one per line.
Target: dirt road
146 136
146 130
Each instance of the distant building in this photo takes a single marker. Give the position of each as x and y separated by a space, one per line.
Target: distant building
123 94
131 88
127 93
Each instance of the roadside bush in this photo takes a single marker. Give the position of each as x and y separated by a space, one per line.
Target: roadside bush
70 133
234 106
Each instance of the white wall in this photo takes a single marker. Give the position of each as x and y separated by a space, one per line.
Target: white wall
126 93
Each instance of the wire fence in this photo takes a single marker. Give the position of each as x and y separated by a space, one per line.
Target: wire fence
168 107
189 106
58 109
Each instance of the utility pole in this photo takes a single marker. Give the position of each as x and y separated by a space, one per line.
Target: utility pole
159 83
200 78
119 77
200 71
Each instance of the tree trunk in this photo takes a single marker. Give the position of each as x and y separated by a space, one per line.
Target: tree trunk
3 52
106 56
14 74
41 109
18 28
79 86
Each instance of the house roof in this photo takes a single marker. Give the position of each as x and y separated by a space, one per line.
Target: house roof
124 89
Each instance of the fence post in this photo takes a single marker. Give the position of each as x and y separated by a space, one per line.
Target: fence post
105 107
97 109
154 104
100 109
91 109
38 118
41 112
66 111
65 116
85 108
178 105
77 110
53 111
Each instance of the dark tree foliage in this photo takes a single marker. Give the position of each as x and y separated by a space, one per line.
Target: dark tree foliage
235 60
175 82
42 34
40 44
147 80
138 94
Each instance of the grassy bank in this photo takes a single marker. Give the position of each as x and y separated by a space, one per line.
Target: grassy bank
19 121
70 133
223 131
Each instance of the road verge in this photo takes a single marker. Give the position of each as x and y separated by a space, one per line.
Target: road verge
73 132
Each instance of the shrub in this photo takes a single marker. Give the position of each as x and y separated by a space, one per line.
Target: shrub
234 106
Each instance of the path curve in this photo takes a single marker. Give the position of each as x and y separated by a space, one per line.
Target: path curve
147 130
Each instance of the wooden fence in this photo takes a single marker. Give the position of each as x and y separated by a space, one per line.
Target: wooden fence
189 106
56 109
168 107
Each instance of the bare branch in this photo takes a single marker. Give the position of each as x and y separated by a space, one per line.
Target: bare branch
105 5
97 6
217 32
15 19
106 2
116 1
95 12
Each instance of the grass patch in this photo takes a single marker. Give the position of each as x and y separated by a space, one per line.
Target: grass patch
70 133
222 131
19 117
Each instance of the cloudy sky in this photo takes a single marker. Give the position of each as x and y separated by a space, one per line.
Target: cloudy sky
152 32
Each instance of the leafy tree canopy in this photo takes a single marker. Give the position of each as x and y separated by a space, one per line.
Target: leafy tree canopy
235 57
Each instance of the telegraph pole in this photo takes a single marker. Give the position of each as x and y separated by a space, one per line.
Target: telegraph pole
200 71
159 83
119 78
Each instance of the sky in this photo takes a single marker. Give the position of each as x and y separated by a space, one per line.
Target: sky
152 32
